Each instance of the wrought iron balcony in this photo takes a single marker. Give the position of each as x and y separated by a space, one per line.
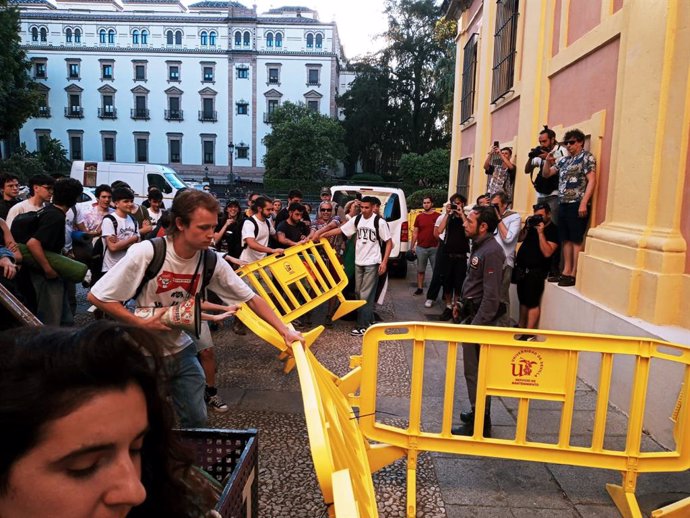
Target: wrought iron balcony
208 116
43 111
74 112
174 115
140 114
107 112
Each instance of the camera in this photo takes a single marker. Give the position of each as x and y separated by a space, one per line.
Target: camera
533 221
535 152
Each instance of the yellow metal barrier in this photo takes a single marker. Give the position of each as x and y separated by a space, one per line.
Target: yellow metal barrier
528 371
293 284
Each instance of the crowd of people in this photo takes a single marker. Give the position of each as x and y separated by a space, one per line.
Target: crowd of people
476 256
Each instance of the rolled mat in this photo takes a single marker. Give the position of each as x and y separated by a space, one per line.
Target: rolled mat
67 268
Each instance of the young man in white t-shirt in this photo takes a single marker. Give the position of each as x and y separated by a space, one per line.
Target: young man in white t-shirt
256 230
41 189
117 241
369 261
194 216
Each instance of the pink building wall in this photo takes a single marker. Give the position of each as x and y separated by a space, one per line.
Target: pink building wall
578 91
556 42
468 138
582 18
504 122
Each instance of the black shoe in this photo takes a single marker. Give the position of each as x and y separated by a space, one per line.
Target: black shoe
447 314
467 417
467 429
553 277
418 291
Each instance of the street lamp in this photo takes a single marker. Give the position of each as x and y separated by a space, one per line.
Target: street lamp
231 153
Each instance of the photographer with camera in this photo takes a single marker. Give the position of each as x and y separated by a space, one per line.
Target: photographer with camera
539 238
455 250
506 234
546 188
500 170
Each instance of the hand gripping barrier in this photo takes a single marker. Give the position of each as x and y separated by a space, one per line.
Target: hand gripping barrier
543 370
293 284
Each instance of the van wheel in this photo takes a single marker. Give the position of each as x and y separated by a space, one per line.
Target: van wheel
399 268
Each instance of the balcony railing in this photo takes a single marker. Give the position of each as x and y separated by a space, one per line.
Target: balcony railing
208 116
140 114
174 115
74 112
107 112
43 111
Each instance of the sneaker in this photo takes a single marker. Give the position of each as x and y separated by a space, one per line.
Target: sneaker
418 291
566 280
215 404
447 314
358 331
428 303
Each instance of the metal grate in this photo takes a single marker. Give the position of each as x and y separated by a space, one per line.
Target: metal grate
469 73
463 183
504 48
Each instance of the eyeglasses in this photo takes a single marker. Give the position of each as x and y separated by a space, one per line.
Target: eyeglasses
326 210
570 142
48 187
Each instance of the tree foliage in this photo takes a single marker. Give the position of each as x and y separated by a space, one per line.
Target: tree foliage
52 158
438 196
427 171
18 98
397 102
303 144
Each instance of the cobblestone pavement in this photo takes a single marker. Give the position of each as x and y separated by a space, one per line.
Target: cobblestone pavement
261 396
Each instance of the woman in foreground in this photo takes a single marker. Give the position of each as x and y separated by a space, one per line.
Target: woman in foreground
84 430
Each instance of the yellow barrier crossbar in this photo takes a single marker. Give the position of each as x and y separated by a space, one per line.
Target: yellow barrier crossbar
528 371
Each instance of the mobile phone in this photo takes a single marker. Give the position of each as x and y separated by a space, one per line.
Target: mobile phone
495 143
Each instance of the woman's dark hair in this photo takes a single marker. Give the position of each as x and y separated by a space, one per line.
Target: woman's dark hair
46 373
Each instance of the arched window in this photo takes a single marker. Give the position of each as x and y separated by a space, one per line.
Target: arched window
178 37
68 35
319 41
279 40
212 38
238 38
77 35
135 37
247 39
204 38
269 39
144 37
111 36
169 37
101 36
34 34
310 41
44 34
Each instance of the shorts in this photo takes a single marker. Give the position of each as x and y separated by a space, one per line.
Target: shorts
424 256
571 227
530 288
204 341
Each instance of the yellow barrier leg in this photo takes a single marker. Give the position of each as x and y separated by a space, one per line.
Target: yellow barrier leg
624 496
411 483
679 509
347 306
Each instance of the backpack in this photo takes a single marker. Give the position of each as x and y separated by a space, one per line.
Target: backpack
159 244
25 225
96 263
256 229
377 218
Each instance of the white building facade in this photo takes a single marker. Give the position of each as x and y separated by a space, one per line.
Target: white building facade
155 81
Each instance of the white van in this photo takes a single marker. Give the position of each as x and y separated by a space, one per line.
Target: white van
393 210
138 176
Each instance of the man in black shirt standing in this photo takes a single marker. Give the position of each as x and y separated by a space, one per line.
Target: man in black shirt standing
9 185
455 251
52 306
539 238
293 231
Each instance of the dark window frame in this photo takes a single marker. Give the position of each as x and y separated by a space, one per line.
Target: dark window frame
505 42
469 78
463 179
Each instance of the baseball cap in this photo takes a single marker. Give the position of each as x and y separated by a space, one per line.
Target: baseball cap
325 190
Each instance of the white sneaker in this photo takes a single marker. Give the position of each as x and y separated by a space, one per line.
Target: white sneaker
428 303
358 331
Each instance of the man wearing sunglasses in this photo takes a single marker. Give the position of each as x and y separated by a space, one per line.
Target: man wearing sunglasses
576 182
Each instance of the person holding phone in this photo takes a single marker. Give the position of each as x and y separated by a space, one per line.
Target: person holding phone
500 170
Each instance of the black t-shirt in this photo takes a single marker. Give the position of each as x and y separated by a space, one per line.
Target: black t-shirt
529 255
281 216
456 242
293 232
232 239
51 229
6 205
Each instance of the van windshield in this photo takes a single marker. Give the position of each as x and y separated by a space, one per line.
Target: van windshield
174 180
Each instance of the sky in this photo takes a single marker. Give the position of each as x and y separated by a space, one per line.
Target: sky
359 21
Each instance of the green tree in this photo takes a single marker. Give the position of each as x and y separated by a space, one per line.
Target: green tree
303 144
18 98
23 163
54 157
427 171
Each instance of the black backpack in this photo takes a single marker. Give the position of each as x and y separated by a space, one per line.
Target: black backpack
256 229
24 226
377 218
159 244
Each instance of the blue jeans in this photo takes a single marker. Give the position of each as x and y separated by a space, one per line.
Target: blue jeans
186 384
366 280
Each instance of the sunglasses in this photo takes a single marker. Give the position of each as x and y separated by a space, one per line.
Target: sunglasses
326 210
570 142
